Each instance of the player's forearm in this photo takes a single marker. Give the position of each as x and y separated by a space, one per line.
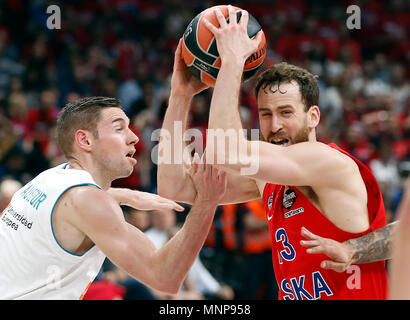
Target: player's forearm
225 120
171 174
374 246
175 259
224 111
119 194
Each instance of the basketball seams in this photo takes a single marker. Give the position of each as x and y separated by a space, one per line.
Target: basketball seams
196 58
191 41
209 47
187 49
210 42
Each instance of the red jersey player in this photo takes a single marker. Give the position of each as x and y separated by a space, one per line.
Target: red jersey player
303 182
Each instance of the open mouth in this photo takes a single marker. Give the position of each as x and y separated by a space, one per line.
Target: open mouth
130 154
280 142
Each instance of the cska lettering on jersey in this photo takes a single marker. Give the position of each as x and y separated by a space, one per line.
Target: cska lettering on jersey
295 288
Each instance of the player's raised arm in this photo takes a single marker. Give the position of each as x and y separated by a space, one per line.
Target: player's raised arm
173 180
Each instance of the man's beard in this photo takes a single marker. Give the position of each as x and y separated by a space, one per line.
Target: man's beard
301 136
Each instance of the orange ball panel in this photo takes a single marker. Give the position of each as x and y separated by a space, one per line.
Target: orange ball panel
204 35
207 79
258 56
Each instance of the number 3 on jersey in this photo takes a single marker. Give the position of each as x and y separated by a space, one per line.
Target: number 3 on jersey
288 253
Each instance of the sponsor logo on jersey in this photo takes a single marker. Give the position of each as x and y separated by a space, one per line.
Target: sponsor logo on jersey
270 201
12 218
294 212
289 198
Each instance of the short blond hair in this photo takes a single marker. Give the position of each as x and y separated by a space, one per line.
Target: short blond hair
84 114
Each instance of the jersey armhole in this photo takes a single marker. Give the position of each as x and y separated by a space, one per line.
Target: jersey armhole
51 219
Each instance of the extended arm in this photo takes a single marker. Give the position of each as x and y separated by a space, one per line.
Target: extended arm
100 218
142 200
374 246
173 180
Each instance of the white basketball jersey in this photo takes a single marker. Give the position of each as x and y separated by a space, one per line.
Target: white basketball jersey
33 265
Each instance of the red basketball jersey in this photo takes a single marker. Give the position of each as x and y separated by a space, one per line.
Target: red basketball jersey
297 272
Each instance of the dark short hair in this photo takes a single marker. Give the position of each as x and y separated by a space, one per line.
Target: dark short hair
284 73
82 114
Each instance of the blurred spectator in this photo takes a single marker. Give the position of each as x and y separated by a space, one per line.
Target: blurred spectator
241 230
385 170
199 282
138 218
255 243
18 113
203 281
10 66
7 189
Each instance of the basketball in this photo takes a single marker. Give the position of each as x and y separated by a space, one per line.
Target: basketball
201 54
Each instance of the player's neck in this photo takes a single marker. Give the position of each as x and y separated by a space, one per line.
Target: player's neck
97 175
312 136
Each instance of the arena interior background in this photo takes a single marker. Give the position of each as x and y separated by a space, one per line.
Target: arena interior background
125 48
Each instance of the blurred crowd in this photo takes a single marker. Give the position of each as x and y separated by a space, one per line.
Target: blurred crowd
124 49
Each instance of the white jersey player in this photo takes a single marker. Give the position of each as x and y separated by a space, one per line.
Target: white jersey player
58 228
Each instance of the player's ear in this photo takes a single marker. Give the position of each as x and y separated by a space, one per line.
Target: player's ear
313 117
83 140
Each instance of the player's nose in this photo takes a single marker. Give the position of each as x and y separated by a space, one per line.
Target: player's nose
132 138
276 124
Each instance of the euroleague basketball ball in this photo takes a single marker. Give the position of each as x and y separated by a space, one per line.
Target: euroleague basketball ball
201 54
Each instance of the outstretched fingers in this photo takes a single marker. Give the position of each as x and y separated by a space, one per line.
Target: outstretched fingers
232 15
335 266
314 243
309 235
244 19
220 17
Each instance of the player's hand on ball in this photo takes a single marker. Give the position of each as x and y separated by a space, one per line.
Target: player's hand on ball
339 253
210 183
183 82
232 38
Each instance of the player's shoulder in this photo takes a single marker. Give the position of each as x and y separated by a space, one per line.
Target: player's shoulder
326 163
85 197
331 152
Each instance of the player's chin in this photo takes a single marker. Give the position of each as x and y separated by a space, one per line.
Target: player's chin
124 174
132 160
127 167
131 164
